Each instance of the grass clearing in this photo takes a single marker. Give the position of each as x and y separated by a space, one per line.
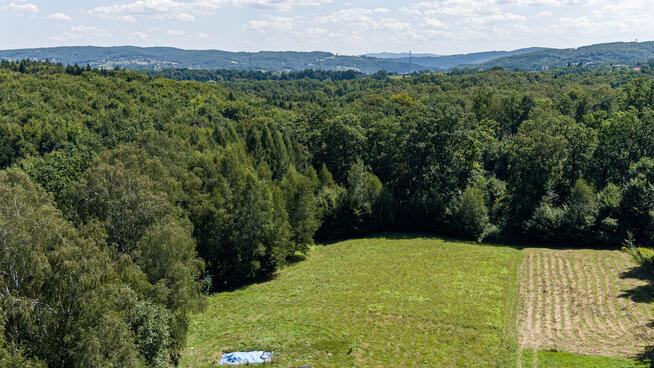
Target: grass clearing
375 302
401 301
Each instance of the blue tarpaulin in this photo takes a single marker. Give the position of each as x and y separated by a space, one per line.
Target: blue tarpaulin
250 357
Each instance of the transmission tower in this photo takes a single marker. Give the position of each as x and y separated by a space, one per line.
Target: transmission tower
410 62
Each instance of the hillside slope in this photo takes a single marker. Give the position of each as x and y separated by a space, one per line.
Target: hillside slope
375 302
607 53
157 58
385 301
447 62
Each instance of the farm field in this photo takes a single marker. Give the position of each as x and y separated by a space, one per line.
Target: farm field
393 301
583 301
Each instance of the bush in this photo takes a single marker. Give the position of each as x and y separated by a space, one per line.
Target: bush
149 323
472 214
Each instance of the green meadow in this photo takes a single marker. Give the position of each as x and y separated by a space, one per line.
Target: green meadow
385 301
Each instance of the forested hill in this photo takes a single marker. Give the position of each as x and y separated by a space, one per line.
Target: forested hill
446 62
158 58
627 53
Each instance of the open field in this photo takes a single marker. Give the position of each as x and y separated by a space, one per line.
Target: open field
425 302
373 302
582 301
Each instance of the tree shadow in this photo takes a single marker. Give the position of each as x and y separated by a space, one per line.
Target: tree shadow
647 356
641 293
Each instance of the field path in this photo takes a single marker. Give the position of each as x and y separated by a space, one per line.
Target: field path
577 301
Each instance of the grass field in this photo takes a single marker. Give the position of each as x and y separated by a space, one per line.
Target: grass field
582 301
386 301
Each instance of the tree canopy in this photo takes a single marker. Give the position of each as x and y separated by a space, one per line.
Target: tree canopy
123 196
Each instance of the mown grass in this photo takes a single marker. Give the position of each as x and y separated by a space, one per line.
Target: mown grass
546 359
385 301
370 302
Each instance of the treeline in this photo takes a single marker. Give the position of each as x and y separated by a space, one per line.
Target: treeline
538 159
124 197
231 75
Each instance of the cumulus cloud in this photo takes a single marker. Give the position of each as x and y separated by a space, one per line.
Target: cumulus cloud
434 23
392 24
271 23
187 10
138 36
84 32
60 16
354 15
27 8
84 29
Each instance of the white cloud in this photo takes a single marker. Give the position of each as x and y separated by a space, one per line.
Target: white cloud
86 32
187 10
391 24
434 23
355 15
174 16
181 34
361 19
125 18
184 16
27 8
504 17
556 3
138 36
407 10
316 31
176 33
60 16
84 29
270 23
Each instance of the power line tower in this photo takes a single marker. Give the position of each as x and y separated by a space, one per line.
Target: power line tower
410 62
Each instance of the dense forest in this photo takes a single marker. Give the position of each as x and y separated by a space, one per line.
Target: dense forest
124 197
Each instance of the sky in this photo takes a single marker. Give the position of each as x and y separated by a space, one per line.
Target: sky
345 27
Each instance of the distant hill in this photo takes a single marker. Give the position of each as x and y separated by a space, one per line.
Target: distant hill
158 58
447 62
397 55
606 53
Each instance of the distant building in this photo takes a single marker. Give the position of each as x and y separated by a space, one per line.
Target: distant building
545 68
636 69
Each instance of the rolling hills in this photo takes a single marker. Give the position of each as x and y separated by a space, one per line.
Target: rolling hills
607 53
159 58
446 62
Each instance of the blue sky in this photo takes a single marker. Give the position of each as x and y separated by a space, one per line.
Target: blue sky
346 27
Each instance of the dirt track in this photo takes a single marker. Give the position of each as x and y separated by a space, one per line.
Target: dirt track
580 301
